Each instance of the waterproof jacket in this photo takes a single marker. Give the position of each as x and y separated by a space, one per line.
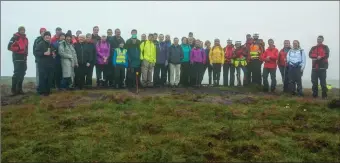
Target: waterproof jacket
207 50
68 58
186 52
85 52
322 51
228 54
197 55
95 38
216 55
120 57
240 56
36 42
273 55
282 60
55 45
116 41
255 49
19 47
296 58
175 54
248 43
133 51
44 60
103 51
54 39
162 54
148 51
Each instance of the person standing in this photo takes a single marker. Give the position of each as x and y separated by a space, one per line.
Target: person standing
120 62
116 40
68 61
102 66
55 38
18 45
148 57
46 55
296 60
175 55
282 64
95 37
240 58
197 60
58 73
133 51
185 63
36 42
254 66
160 72
228 66
319 55
270 57
208 66
92 50
216 57
143 38
168 43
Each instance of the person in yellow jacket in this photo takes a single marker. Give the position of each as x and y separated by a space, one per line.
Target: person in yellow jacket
148 57
216 58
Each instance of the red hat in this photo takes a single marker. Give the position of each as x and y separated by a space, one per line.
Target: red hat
42 29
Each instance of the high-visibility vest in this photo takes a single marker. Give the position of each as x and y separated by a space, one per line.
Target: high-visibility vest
329 87
121 56
255 51
240 62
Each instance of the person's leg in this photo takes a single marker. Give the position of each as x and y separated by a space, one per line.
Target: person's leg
291 79
172 68
273 79
200 73
15 77
250 71
98 74
286 81
89 74
23 68
122 77
168 71
214 74
150 71
58 75
193 74
232 75
245 72
238 75
156 73
315 80
210 73
144 73
49 79
117 76
323 83
265 79
257 77
36 76
177 73
225 74
219 73
163 75
42 80
299 81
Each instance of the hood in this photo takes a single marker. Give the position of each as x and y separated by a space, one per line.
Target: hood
19 35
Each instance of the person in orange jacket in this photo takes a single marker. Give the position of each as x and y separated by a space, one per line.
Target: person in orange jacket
270 57
254 65
228 66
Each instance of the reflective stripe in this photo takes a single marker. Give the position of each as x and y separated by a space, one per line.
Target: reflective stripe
121 56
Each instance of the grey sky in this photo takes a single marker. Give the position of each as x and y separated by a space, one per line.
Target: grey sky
303 21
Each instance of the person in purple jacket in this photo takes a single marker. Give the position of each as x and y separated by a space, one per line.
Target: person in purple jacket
161 62
197 61
102 67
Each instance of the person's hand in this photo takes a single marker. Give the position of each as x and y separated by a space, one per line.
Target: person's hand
47 53
88 64
211 64
318 58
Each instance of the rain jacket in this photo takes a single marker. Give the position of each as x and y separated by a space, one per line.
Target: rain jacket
133 51
103 50
197 55
322 51
84 52
44 60
19 47
229 50
175 54
148 51
282 60
120 57
207 50
68 58
273 55
36 42
216 55
296 58
240 56
186 52
162 54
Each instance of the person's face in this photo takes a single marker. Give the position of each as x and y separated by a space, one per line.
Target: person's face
201 44
117 32
161 38
295 44
319 40
134 33
190 40
208 44
229 42
42 32
185 41
95 31
176 41
237 45
167 38
58 32
217 42
22 31
191 35
143 37
81 39
47 38
198 43
78 33
68 39
271 43
286 44
88 38
62 37
109 32
121 45
248 37
103 38
256 37
155 37
150 38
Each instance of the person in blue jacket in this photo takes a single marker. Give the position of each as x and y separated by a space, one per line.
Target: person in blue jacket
133 50
120 62
58 75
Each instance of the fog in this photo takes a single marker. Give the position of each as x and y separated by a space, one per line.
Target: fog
302 21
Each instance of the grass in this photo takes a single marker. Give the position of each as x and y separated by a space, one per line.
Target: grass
108 126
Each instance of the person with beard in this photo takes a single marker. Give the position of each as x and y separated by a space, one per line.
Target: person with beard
161 62
85 59
69 61
143 38
207 45
58 73
46 55
254 65
148 57
282 64
197 61
270 57
102 66
18 45
185 63
216 57
55 38
319 55
228 66
133 51
175 55
240 58
120 62
92 50
36 42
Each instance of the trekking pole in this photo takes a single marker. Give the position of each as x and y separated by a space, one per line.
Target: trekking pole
137 82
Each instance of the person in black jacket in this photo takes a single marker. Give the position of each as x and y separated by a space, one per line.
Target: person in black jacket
37 41
45 54
175 55
89 70
85 59
115 41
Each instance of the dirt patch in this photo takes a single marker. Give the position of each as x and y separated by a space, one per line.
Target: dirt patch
211 157
152 128
117 98
262 132
13 100
247 100
245 152
281 129
300 117
216 100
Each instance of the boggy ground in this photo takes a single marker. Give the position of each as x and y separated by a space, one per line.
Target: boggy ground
165 125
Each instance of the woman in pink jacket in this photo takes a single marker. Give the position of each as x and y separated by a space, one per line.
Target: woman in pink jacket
102 66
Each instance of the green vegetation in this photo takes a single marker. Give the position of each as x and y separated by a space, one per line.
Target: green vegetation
174 126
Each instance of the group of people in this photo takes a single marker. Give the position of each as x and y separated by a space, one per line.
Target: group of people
66 61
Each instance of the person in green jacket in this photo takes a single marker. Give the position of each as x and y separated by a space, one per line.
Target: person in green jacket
148 57
185 63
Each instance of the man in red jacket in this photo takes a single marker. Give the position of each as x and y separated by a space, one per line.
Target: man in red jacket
228 66
55 38
319 55
269 57
19 47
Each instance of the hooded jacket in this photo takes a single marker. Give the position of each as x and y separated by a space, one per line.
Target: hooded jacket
54 39
19 46
68 58
282 59
273 55
84 52
175 54
216 55
162 54
228 54
36 42
44 60
197 55
322 51
133 52
296 58
186 52
148 51
103 50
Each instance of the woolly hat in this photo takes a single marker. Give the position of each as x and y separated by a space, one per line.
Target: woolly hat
47 33
21 28
62 34
42 29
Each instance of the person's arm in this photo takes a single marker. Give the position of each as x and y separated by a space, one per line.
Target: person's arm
35 45
223 57
153 53
75 58
191 56
114 58
288 58
39 50
326 53
263 56
99 54
311 55
210 56
204 56
303 64
142 50
126 60
13 45
181 53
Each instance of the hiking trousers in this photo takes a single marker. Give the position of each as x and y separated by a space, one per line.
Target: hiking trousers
254 72
20 67
238 75
102 73
319 74
147 69
131 76
89 75
80 72
196 73
175 74
266 72
58 76
226 68
295 82
217 71
185 74
210 70
119 75
284 76
46 73
160 74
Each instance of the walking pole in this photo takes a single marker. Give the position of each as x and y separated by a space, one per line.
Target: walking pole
137 82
